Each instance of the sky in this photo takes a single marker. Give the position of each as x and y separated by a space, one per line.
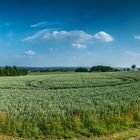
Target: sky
48 33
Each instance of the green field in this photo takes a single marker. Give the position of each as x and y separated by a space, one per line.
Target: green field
69 105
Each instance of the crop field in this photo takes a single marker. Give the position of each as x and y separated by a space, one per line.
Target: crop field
69 105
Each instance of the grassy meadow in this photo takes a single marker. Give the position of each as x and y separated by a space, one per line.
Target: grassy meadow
69 105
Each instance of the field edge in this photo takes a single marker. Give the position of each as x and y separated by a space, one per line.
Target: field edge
130 134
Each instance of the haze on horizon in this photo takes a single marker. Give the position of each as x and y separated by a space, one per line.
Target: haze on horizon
70 32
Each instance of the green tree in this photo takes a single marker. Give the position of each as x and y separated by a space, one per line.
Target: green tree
133 67
101 68
12 71
80 69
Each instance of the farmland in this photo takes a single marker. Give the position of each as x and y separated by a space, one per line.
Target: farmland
69 105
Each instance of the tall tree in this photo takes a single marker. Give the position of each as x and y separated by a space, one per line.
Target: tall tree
133 67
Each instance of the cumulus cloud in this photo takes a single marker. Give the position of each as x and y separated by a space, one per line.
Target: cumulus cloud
47 34
137 37
77 36
103 36
79 46
29 53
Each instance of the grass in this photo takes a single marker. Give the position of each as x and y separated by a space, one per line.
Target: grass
48 73
69 105
130 134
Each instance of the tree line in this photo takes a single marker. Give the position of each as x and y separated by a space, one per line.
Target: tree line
12 71
100 68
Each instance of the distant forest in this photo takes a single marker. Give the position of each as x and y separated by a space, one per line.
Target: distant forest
12 71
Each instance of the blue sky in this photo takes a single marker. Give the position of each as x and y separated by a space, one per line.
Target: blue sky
70 32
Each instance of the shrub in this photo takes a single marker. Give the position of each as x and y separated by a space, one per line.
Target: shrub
101 68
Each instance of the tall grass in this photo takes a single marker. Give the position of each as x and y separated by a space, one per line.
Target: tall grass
79 124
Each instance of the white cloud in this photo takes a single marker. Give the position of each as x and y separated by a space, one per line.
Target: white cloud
103 36
79 46
48 34
137 37
39 24
43 24
77 36
35 36
29 53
